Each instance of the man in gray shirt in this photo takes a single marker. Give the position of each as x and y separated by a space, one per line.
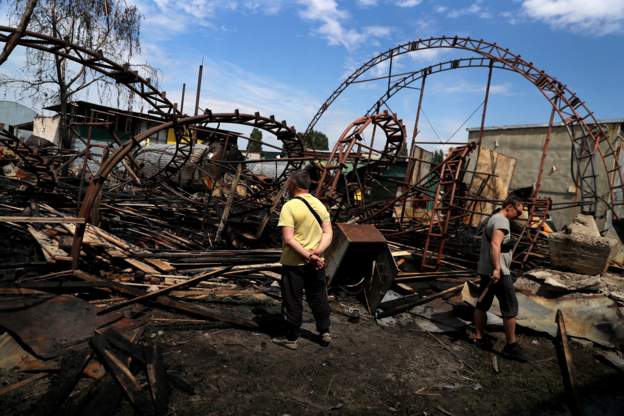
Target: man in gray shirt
494 269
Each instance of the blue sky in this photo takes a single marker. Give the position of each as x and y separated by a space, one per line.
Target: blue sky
285 57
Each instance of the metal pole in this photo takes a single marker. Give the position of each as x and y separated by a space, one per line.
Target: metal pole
197 95
411 164
540 174
389 75
182 99
482 126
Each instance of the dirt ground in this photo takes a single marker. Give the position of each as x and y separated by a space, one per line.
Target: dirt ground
368 370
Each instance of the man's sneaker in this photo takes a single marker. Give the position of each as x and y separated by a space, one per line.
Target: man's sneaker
484 343
326 338
515 352
285 342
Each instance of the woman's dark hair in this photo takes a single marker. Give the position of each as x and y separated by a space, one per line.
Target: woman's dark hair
301 179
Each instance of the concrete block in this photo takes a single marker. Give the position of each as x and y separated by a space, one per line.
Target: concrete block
583 224
580 253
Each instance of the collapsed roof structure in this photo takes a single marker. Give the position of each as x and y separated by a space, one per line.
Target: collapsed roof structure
115 217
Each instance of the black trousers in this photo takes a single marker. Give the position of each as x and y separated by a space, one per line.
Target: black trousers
296 279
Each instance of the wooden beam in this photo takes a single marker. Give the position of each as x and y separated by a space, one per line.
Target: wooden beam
168 289
567 369
22 383
157 378
128 382
43 220
229 317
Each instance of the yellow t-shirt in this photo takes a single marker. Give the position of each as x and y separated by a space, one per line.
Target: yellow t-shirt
308 232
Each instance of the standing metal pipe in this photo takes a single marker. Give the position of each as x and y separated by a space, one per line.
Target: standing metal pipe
182 99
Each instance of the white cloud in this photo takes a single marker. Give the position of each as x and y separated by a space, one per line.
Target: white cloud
598 17
428 55
367 3
475 9
378 31
268 7
408 3
331 18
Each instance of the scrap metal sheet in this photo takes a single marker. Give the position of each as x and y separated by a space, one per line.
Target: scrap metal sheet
592 317
50 327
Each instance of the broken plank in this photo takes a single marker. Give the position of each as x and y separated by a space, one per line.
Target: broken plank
63 384
145 268
166 302
157 378
162 265
104 400
128 382
49 246
22 383
42 220
157 293
408 302
565 363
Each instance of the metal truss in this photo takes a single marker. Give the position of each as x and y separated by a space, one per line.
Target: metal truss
350 147
292 147
589 138
122 74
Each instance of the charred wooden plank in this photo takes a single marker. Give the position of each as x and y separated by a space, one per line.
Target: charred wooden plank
62 384
167 302
139 398
157 378
160 292
567 368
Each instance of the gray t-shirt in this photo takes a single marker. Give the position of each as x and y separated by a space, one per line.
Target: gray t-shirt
496 222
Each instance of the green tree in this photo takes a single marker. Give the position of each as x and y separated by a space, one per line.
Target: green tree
314 140
438 157
255 144
403 151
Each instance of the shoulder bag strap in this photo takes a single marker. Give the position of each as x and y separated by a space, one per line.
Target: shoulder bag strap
307 204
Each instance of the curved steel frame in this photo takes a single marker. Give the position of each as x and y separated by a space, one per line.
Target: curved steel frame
331 172
287 135
122 74
575 115
407 79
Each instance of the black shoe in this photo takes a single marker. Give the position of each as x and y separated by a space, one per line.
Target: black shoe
515 352
484 343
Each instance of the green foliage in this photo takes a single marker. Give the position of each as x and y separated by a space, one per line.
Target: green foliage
255 145
403 151
314 140
438 157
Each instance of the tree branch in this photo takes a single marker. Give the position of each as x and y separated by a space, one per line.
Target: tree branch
12 42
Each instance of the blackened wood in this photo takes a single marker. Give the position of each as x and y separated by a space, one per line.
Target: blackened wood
567 369
157 378
157 293
184 307
62 384
139 398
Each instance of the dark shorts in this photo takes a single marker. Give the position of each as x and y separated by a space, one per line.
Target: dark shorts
504 292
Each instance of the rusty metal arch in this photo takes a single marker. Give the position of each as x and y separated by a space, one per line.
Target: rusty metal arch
331 172
587 135
122 74
407 79
287 135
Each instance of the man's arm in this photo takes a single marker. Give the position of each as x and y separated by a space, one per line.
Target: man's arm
495 252
326 238
288 235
